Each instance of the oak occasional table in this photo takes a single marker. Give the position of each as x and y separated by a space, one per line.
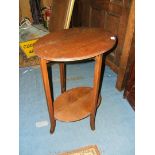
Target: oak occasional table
72 45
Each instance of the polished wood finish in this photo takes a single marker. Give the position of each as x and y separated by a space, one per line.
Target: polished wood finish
74 104
126 49
61 14
44 71
62 77
74 44
112 15
97 76
60 19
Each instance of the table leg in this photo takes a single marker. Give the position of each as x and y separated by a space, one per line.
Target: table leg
97 76
62 77
44 71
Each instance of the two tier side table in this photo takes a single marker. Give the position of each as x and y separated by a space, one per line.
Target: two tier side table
69 45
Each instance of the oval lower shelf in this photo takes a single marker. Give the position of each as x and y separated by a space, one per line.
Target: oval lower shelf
74 104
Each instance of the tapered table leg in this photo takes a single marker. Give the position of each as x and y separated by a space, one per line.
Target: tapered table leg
97 76
62 77
44 71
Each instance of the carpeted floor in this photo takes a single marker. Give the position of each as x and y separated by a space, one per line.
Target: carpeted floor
115 119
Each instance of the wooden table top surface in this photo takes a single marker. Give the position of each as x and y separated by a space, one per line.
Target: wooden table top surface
74 44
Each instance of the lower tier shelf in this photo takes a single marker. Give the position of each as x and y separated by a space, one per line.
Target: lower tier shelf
74 104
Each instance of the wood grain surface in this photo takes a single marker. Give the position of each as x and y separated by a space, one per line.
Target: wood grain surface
71 45
74 44
74 104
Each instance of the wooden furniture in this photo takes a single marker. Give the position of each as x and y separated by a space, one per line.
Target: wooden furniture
129 92
60 19
61 14
127 50
73 45
112 15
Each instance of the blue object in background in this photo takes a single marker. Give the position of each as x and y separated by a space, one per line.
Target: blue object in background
115 119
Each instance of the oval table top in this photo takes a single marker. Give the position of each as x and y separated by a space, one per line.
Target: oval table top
74 44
